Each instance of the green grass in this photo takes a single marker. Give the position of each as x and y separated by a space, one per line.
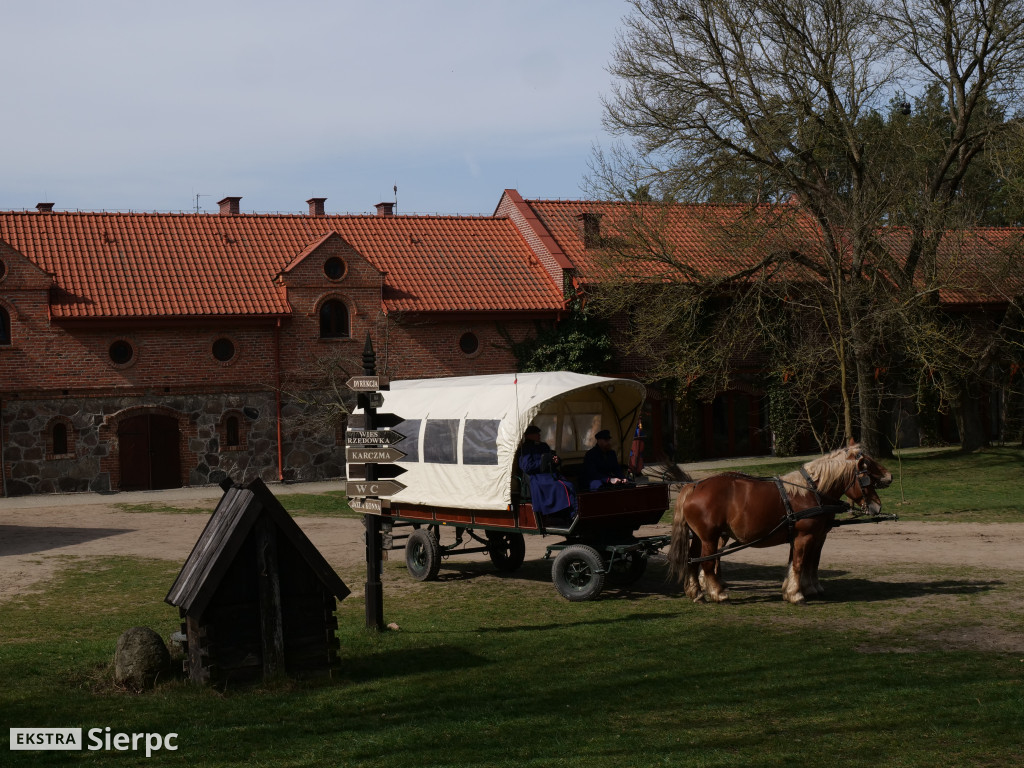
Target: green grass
490 671
901 664
948 486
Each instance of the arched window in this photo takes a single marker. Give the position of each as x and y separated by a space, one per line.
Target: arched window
333 320
231 433
5 327
59 438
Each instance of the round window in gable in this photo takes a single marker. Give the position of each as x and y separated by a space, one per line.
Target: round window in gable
334 268
469 343
121 352
3 269
223 350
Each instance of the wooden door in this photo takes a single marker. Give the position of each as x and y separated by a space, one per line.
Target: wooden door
149 453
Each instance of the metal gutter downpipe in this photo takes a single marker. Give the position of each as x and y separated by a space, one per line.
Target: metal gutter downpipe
3 465
277 399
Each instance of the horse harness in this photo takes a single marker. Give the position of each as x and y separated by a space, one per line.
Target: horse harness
791 518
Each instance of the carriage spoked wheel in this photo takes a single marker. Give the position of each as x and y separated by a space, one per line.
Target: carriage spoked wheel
423 555
507 550
578 573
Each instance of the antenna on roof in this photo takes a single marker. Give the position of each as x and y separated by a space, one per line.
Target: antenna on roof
197 201
396 197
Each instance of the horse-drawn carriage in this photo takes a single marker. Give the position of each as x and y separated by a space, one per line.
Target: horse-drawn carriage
461 439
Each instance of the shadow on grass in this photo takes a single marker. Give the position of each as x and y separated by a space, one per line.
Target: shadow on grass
409 661
752 584
26 539
747 584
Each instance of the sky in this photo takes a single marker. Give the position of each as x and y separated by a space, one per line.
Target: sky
162 106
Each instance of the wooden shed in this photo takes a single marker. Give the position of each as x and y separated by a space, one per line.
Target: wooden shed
256 597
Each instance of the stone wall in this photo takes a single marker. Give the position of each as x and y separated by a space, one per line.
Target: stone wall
89 457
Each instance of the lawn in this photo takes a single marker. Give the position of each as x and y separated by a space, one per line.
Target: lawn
982 487
896 668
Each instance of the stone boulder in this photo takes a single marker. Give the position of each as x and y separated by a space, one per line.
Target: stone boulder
141 657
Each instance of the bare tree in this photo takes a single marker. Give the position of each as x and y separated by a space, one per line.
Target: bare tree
807 99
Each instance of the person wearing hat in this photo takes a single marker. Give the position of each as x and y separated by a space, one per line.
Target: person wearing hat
550 494
601 468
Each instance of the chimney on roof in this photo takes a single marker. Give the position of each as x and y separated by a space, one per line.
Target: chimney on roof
45 207
590 227
229 206
385 209
316 206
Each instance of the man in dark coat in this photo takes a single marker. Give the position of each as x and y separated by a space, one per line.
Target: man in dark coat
549 493
601 467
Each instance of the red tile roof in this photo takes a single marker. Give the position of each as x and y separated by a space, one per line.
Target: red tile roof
711 239
157 264
983 265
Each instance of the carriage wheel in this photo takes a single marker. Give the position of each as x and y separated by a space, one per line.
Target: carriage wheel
578 573
422 555
629 568
507 550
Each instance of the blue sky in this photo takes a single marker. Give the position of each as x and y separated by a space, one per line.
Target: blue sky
143 105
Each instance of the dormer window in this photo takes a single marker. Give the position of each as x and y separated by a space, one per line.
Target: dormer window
334 320
335 268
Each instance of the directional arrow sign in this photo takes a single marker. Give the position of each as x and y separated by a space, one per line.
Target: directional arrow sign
364 383
358 471
362 488
380 437
382 420
370 400
364 454
366 506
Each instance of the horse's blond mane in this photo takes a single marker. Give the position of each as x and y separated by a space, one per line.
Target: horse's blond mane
827 470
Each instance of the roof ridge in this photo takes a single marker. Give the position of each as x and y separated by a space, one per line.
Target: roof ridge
258 214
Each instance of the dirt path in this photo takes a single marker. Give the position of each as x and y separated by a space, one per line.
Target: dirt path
36 540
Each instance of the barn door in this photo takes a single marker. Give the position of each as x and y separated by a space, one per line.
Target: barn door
149 454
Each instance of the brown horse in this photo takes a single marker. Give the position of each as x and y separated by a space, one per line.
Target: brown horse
752 511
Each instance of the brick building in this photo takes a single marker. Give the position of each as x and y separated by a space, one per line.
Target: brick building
580 242
152 350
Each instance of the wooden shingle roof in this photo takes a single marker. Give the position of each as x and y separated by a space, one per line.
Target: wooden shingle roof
236 514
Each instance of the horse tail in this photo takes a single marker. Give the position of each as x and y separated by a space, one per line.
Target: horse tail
679 549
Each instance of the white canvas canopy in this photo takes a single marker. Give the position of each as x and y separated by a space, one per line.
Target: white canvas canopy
462 432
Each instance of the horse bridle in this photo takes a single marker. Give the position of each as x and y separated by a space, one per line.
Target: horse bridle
862 477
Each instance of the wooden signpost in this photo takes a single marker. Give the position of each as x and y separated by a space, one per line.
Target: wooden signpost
368 453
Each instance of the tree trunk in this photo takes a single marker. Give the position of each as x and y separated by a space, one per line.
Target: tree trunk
969 420
871 438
